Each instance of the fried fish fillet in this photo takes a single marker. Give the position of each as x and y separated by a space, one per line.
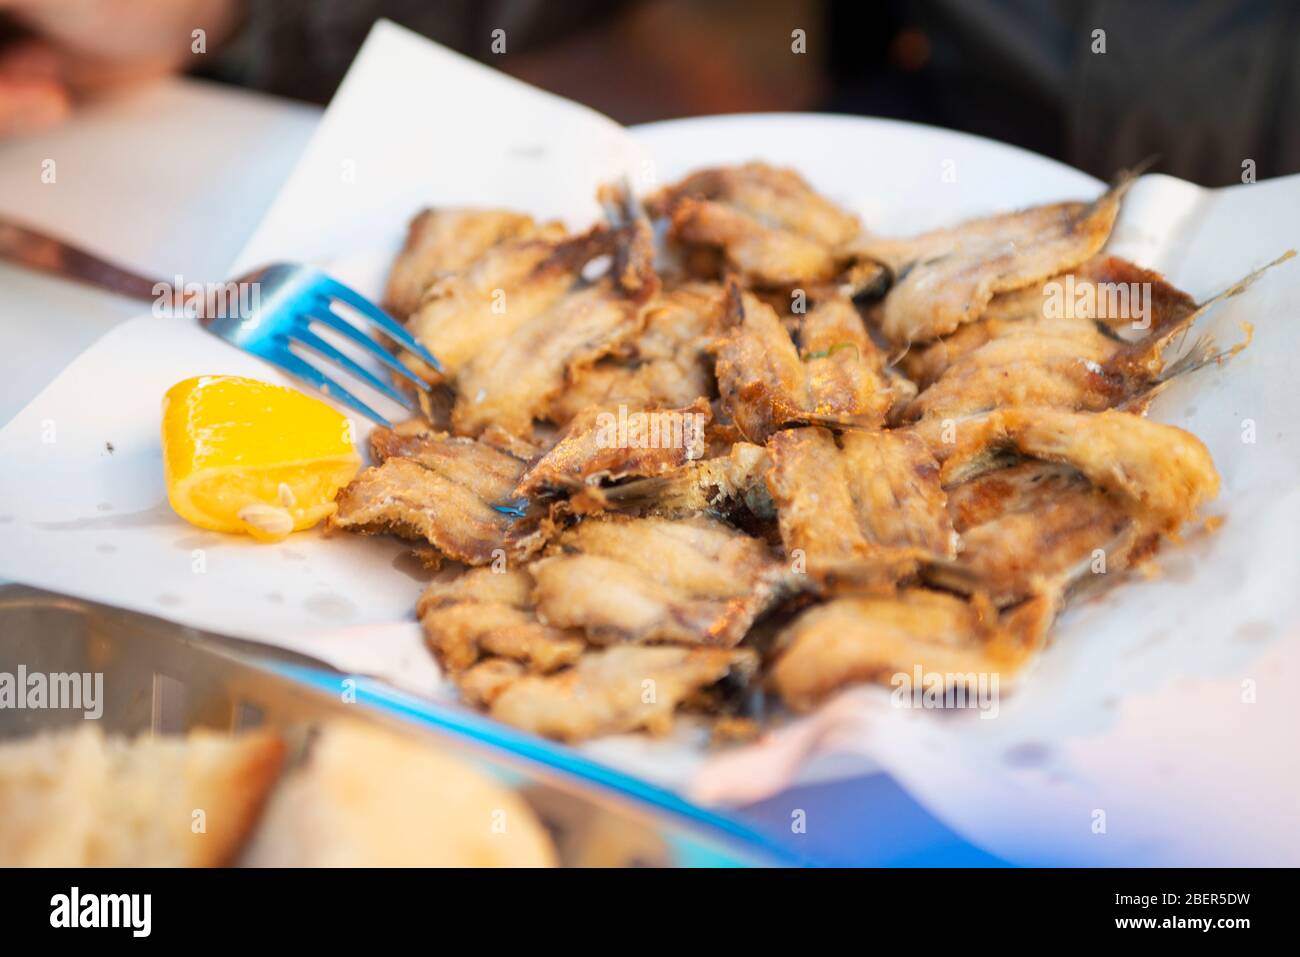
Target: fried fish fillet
513 378
490 612
1036 528
509 586
860 512
946 278
505 287
1161 473
438 488
1063 364
1021 486
667 364
1070 361
872 639
613 691
1018 355
604 444
1005 479
695 580
1067 367
766 384
480 684
928 365
769 224
1107 289
440 242
847 381
720 485
512 381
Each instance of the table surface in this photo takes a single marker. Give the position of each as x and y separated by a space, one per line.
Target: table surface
169 181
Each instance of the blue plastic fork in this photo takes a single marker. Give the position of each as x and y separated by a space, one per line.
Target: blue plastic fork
284 303
291 301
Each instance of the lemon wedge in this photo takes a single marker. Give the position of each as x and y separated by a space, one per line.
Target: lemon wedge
246 456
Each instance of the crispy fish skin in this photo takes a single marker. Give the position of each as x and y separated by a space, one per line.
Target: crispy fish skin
513 379
1162 473
721 484
927 365
871 639
809 483
896 492
440 242
601 443
613 691
766 384
510 383
1063 368
1045 552
438 488
512 587
693 581
463 313
485 611
1091 299
947 278
620 603
1017 355
700 556
460 634
667 365
770 225
973 370
1035 528
609 383
462 460
482 683
760 375
778 195
1019 487
842 366
864 512
762 254
405 499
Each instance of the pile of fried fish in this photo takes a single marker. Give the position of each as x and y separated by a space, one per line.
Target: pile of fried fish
904 461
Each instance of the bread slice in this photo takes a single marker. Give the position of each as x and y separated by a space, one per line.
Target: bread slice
81 799
367 797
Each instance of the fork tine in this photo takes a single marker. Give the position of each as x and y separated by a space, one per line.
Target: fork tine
341 325
386 322
301 369
313 341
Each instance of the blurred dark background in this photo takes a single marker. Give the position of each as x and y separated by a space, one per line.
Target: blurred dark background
1207 87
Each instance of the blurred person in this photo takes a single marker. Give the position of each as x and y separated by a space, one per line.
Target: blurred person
53 52
1206 86
636 60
